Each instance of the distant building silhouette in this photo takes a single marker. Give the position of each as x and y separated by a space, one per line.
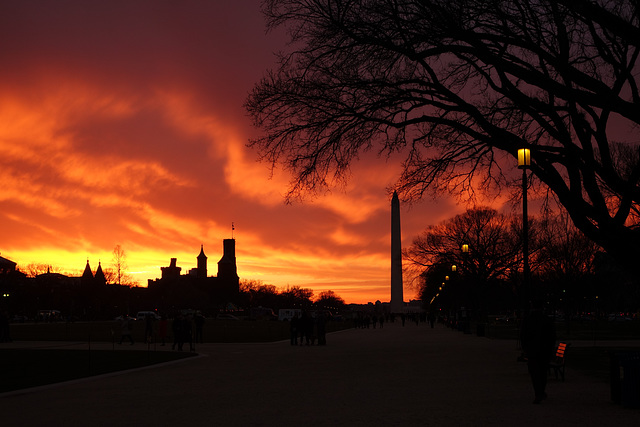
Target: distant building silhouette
7 266
196 289
169 273
89 280
202 263
89 297
99 276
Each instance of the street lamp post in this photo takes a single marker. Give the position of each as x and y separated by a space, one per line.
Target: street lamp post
524 161
465 267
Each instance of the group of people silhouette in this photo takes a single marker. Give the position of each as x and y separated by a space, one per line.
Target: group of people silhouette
186 329
306 329
364 321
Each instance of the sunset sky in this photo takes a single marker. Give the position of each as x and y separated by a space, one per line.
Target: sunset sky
122 123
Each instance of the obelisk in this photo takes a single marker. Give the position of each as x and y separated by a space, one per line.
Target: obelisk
397 303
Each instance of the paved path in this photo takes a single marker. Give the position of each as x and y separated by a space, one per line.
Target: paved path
410 375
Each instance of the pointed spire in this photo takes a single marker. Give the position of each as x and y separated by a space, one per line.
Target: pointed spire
87 271
100 277
202 252
202 263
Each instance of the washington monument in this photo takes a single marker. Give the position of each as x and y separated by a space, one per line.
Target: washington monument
397 302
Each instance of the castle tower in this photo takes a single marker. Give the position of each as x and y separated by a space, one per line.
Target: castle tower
227 264
100 278
202 264
87 274
397 302
171 272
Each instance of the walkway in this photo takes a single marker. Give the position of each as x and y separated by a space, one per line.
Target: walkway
410 375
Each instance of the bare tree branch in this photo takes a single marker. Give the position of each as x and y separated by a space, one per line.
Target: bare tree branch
458 86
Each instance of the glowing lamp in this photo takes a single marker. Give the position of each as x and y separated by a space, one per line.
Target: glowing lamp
524 158
465 249
454 268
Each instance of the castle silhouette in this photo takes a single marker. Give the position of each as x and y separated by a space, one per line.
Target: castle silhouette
196 286
89 295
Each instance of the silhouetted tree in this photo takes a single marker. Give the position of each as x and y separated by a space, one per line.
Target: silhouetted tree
494 240
296 296
255 293
120 267
566 267
110 275
34 269
565 252
495 252
329 300
459 86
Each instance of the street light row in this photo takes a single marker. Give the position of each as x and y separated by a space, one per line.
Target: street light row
524 161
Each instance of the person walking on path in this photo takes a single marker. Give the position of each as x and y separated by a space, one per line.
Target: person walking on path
178 338
322 328
148 328
538 343
163 326
126 327
187 332
432 319
293 329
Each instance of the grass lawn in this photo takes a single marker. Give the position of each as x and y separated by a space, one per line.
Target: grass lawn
35 367
24 368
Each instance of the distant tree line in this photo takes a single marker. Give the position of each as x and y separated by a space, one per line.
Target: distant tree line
87 299
568 270
254 293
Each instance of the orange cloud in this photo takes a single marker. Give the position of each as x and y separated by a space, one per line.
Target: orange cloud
98 150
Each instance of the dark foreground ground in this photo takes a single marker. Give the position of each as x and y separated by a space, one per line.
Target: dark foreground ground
410 375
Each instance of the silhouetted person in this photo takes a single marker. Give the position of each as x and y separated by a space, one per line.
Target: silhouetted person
187 333
163 327
199 321
306 328
374 320
432 319
293 329
322 329
176 328
538 344
126 327
148 328
381 320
